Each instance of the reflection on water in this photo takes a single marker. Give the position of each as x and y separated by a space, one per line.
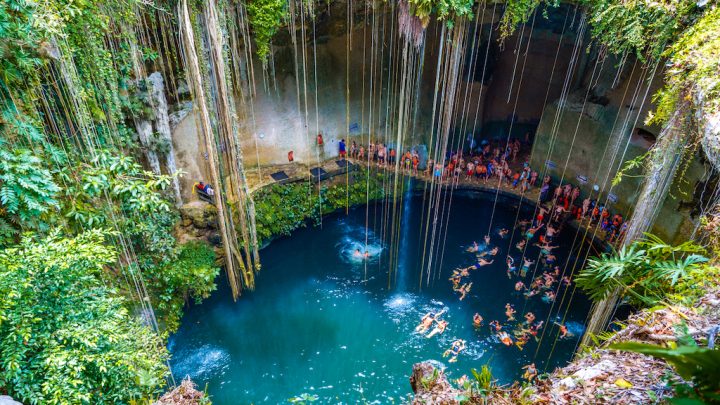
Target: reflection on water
323 321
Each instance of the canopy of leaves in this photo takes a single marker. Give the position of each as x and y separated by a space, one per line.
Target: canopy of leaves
65 337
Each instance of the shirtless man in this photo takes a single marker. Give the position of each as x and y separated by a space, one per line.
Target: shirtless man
483 262
439 328
426 322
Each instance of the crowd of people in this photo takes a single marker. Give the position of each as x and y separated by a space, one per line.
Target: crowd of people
538 275
498 165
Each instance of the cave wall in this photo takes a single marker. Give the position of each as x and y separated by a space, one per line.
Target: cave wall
279 122
591 124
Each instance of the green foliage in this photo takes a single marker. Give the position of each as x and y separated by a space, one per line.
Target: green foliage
445 10
693 66
265 16
518 12
280 209
647 270
483 381
67 338
27 189
699 366
190 276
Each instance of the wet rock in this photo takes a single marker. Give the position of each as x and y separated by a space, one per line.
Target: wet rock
431 386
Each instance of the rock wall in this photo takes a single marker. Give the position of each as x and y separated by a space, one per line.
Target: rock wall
586 138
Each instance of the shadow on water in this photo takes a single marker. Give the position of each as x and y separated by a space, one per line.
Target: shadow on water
322 321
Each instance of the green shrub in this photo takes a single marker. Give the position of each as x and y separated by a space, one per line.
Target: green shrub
65 336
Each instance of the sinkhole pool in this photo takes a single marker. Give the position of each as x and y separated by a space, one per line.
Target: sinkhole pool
323 322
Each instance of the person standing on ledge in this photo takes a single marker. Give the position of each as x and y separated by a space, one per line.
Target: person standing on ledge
321 146
341 148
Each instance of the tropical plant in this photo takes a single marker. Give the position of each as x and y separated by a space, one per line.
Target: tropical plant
65 336
646 271
27 189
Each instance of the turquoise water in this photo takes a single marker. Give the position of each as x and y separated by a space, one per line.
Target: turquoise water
323 322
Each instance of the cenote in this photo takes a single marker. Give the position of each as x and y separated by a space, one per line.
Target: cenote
323 322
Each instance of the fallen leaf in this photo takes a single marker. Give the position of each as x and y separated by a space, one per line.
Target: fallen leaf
623 383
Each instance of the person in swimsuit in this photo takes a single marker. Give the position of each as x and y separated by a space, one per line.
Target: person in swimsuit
526 266
529 318
425 323
439 328
530 372
531 232
454 350
509 312
474 248
496 325
477 320
483 262
464 289
519 286
505 338
510 266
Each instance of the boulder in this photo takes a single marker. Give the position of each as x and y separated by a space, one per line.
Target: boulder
431 386
199 214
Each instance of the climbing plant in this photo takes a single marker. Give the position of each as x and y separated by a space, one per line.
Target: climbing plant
266 17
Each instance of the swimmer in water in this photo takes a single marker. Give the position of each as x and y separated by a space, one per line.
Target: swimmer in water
483 262
503 232
526 266
464 289
474 248
531 232
487 239
477 320
454 350
425 323
530 372
509 312
455 279
496 325
439 328
357 253
521 245
510 266
563 331
505 338
491 252
566 281
519 286
521 340
529 318
549 296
